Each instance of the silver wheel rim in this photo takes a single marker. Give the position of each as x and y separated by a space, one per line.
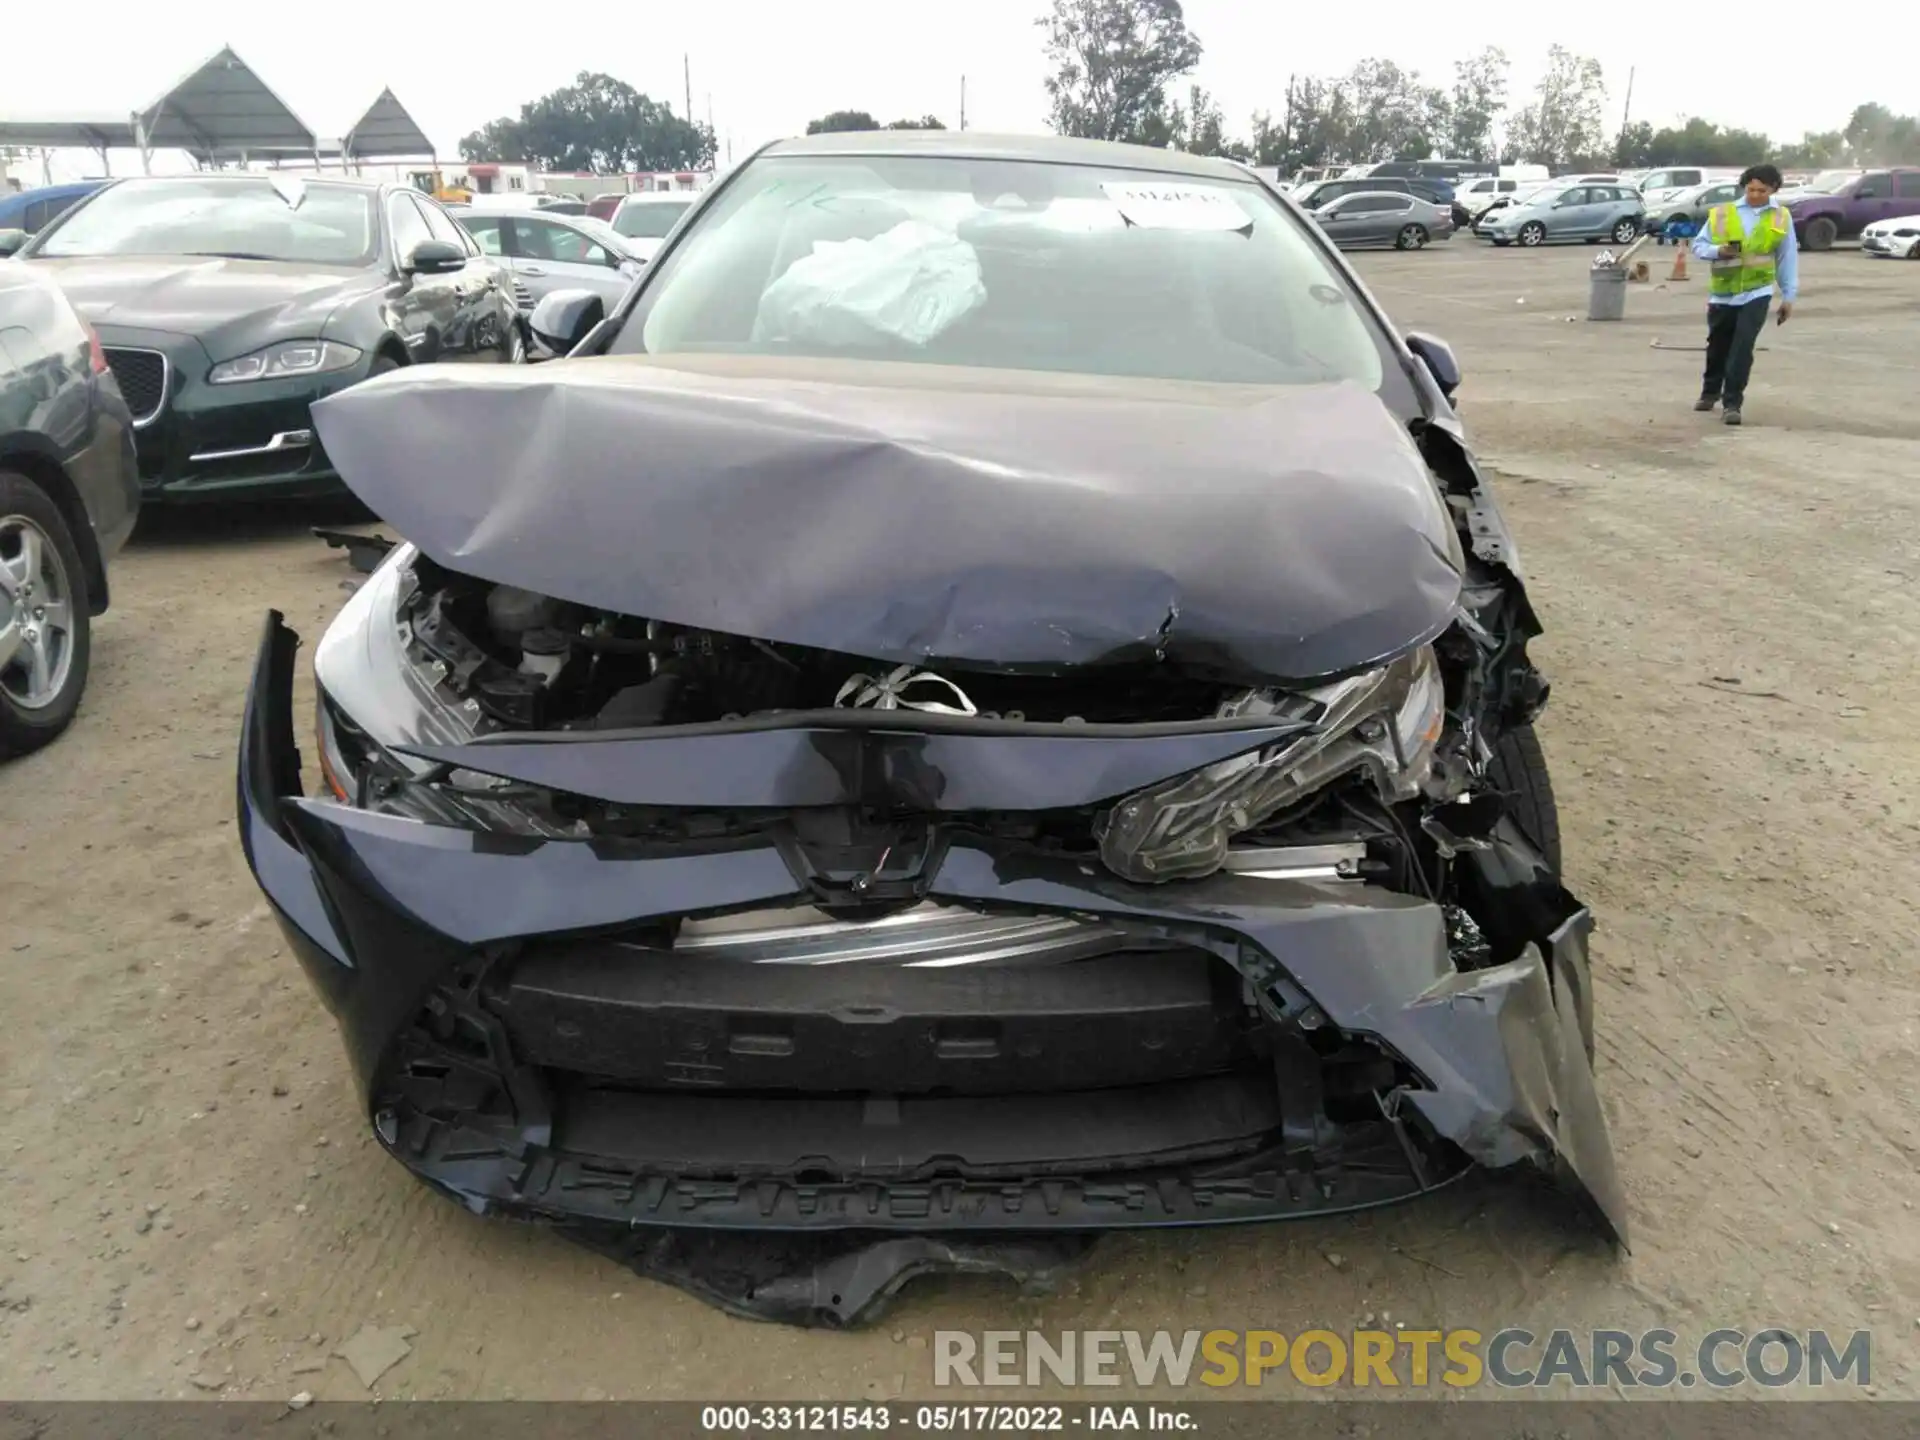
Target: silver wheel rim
36 615
1623 232
1411 238
1532 235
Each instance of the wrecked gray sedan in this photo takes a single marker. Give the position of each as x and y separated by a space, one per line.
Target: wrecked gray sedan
986 703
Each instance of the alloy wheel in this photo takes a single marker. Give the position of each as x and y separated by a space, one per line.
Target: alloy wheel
1532 233
36 615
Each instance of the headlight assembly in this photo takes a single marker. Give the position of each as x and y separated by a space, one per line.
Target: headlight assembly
1386 722
285 361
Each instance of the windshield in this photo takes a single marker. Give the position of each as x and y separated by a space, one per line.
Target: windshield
649 219
245 219
604 233
1007 265
1828 182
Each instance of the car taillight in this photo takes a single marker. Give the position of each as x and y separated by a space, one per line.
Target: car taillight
96 357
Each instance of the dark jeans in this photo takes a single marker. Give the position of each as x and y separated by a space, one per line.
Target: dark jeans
1732 332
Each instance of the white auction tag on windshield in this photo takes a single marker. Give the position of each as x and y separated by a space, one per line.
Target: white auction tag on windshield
1176 207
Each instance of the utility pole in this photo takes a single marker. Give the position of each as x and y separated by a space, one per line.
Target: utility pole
1286 130
1627 110
686 72
963 102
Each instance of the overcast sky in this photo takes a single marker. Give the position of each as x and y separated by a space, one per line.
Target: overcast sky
768 68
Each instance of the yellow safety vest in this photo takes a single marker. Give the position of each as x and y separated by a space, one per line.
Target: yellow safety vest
1753 267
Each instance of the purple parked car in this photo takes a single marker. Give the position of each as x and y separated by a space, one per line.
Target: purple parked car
1822 218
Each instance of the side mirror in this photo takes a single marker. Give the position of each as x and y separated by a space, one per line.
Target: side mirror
436 257
11 241
1439 359
563 318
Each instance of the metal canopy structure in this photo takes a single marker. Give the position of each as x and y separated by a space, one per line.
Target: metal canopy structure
220 113
68 134
223 111
385 131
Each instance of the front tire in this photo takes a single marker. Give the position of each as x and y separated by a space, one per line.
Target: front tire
45 637
1533 233
1625 231
1411 237
1820 233
1519 769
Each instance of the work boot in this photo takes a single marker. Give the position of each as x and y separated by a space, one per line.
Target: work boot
1706 402
1732 417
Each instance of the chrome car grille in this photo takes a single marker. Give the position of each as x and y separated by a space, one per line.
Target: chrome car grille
143 380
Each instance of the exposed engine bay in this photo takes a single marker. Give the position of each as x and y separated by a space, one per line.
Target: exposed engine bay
1389 770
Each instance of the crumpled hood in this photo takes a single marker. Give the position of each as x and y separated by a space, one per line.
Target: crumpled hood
232 306
914 513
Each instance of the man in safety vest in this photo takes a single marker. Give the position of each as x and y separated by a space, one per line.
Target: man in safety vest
1752 253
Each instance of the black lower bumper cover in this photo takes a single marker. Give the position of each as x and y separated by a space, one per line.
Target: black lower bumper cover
816 1209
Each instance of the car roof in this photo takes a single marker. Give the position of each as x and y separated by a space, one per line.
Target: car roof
658 197
984 145
237 177
541 211
48 192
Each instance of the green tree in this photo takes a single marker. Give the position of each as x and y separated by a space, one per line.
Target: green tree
1563 124
1393 115
1479 99
1877 136
502 139
840 120
1633 148
1816 150
1701 142
1111 62
599 124
925 122
1314 129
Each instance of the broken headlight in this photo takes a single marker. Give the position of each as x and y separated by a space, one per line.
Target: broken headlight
1385 722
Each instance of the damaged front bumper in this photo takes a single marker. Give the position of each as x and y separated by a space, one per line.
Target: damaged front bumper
516 1054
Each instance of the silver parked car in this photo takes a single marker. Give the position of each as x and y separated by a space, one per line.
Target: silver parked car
1690 204
548 251
1374 217
1611 211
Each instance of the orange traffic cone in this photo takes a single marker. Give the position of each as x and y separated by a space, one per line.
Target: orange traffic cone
1680 260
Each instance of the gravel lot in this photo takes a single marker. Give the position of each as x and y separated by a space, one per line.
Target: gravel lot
189 1206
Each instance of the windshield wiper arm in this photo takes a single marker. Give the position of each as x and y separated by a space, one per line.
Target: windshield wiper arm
229 255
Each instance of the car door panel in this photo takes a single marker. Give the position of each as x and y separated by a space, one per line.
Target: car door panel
477 331
1388 220
1562 217
425 307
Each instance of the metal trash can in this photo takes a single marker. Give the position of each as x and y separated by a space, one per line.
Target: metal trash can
1607 296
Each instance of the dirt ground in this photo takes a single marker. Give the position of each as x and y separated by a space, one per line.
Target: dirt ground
189 1205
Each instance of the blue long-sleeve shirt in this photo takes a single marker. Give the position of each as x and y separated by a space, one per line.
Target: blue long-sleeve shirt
1786 260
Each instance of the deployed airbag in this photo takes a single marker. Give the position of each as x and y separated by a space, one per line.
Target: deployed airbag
909 284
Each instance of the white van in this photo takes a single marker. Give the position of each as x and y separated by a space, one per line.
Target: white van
1525 174
1658 185
1474 196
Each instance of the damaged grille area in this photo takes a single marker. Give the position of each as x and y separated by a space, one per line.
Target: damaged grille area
1143 1085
